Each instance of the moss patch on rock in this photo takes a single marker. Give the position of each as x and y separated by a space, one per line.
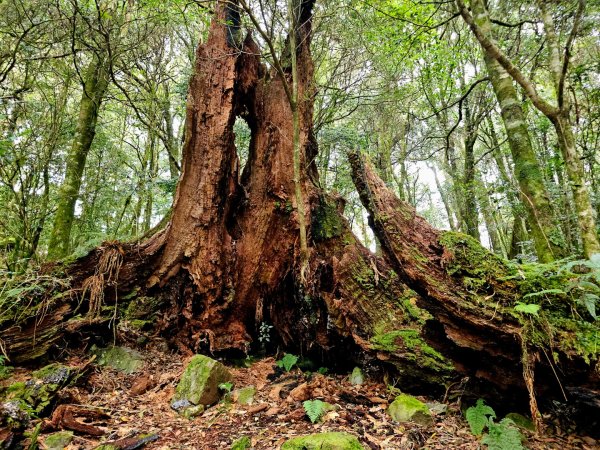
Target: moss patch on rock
23 401
199 384
324 441
59 440
406 408
120 358
244 396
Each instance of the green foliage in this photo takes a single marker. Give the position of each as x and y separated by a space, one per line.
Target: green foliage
242 443
287 362
478 416
5 370
314 409
226 387
586 287
503 435
527 308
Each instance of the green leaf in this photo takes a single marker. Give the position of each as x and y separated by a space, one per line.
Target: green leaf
544 292
587 285
527 308
595 259
287 362
477 416
314 409
503 436
589 301
227 386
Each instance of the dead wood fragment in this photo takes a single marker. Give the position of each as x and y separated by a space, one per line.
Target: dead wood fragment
68 417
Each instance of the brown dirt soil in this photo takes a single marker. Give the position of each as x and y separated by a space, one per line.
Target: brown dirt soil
139 403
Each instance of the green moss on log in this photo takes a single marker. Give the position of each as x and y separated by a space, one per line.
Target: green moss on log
327 222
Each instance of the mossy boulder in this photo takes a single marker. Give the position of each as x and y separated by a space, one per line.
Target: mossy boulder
324 441
406 408
58 441
199 384
22 401
122 359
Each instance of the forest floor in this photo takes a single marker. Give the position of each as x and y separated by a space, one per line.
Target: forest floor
140 403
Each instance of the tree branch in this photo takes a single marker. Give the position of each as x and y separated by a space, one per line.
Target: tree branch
567 54
495 52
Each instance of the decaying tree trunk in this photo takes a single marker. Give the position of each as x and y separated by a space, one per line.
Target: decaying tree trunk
229 258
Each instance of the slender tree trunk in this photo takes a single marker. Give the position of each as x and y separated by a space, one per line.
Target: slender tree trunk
558 115
471 212
94 88
444 195
532 190
487 212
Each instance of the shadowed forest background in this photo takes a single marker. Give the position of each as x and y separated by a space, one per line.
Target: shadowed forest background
410 187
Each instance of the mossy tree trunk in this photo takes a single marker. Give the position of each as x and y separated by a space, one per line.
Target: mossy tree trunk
558 114
94 87
532 190
471 295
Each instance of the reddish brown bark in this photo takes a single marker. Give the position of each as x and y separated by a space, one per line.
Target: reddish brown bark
473 324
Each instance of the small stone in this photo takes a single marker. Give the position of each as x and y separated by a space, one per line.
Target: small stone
180 405
59 440
324 441
192 412
53 374
122 359
437 408
199 384
356 377
406 408
244 396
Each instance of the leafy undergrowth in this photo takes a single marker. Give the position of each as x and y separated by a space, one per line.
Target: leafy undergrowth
139 403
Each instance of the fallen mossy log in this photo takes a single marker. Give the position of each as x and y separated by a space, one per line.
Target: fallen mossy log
514 327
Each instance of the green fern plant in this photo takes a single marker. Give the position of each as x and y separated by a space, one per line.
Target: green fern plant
287 362
503 435
314 409
5 370
478 416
